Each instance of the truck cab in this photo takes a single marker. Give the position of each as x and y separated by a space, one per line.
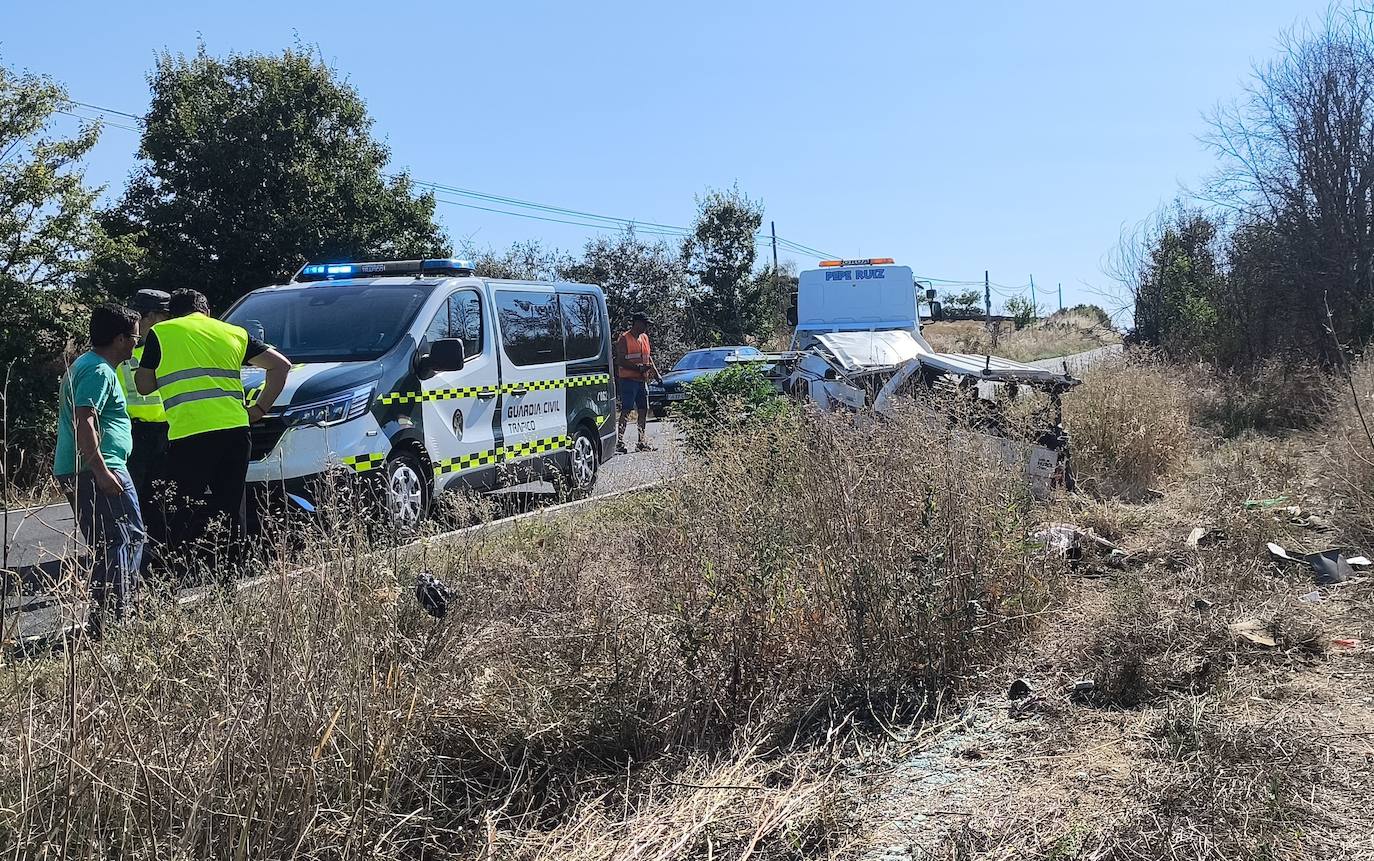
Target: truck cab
867 295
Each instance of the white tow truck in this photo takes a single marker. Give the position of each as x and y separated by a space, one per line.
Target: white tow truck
858 346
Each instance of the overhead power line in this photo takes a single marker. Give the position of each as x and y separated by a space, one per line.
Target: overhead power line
100 120
552 214
106 110
564 215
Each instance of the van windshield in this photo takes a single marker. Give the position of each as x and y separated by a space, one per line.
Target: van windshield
333 323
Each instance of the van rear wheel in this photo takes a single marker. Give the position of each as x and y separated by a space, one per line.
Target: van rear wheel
583 461
407 491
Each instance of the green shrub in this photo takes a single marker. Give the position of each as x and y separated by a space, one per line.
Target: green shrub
1022 310
734 399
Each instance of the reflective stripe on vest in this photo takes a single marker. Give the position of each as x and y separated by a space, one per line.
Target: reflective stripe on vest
144 408
636 353
198 376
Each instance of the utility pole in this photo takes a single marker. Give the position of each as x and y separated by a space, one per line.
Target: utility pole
1061 297
777 284
1033 310
987 297
783 304
773 227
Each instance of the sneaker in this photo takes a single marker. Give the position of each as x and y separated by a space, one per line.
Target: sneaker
644 446
621 449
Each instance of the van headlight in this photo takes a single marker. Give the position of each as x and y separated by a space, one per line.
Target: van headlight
331 412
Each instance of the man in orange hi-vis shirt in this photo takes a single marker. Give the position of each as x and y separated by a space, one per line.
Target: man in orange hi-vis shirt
634 368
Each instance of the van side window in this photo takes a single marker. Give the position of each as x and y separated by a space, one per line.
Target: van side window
531 328
438 327
465 321
581 325
461 318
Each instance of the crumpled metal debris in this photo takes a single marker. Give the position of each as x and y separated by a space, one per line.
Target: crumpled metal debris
1329 566
1069 540
1203 536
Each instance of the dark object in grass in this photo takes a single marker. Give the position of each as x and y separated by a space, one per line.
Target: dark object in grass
432 594
1019 690
1331 567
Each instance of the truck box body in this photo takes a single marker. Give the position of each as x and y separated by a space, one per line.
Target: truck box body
857 298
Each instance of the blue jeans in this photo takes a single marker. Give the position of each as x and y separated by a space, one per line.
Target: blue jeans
113 529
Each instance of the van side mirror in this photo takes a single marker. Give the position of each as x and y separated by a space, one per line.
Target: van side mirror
445 354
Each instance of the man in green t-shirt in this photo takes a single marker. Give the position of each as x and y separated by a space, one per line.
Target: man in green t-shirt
94 439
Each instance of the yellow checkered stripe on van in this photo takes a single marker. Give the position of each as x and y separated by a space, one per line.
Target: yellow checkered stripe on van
365 462
467 461
562 383
534 446
473 391
435 395
502 453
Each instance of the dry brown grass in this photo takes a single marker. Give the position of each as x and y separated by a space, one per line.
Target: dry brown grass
600 681
1348 462
1277 397
1061 334
1130 424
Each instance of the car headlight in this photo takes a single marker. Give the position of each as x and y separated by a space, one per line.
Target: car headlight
347 406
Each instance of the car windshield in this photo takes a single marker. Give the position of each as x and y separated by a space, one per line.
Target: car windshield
698 360
331 323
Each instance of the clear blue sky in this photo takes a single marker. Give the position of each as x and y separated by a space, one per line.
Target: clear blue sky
1018 138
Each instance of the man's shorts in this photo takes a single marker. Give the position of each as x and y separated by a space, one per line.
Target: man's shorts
634 395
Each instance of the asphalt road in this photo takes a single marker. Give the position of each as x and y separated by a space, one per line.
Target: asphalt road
1078 361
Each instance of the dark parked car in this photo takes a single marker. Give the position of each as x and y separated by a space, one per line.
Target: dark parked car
693 366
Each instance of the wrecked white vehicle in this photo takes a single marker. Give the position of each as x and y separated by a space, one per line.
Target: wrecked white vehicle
858 347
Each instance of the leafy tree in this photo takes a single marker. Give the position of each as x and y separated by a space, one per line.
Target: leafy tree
1177 284
252 165
777 292
719 255
523 261
965 302
1022 310
639 275
1298 166
46 232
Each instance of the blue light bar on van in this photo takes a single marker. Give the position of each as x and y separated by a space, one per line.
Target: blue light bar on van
384 268
448 265
327 269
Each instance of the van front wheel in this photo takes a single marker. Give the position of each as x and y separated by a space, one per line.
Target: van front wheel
407 490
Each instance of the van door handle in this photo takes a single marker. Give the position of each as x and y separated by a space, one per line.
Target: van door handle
486 394
520 390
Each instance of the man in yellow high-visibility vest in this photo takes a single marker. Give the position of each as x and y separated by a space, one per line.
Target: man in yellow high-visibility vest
193 361
149 421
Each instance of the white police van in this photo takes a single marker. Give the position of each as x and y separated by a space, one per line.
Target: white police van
424 377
